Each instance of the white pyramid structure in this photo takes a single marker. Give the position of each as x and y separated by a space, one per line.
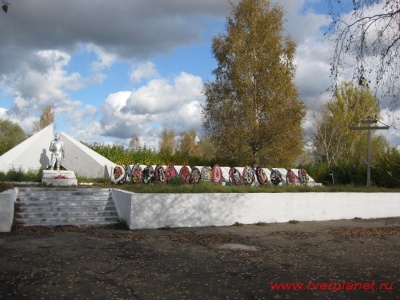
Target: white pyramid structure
83 160
33 154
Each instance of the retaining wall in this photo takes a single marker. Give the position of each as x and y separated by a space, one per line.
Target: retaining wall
7 200
220 209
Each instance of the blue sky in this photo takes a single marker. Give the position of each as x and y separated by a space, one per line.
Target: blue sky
113 69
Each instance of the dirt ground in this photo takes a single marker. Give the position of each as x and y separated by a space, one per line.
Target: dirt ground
347 259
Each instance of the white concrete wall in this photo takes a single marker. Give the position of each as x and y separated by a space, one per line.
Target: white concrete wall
122 200
7 200
31 154
83 160
192 210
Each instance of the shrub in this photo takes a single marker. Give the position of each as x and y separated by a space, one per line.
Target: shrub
386 174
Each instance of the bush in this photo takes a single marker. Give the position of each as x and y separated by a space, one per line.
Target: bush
11 134
4 186
20 175
123 156
353 173
386 174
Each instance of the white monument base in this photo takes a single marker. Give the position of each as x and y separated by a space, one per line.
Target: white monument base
53 177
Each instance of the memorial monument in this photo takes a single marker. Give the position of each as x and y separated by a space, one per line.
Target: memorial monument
57 152
34 154
58 177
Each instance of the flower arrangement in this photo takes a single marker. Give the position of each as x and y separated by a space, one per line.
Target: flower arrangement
184 174
206 174
216 175
248 175
290 177
276 177
119 174
234 176
160 174
136 174
195 175
262 177
303 176
60 176
148 175
170 172
187 175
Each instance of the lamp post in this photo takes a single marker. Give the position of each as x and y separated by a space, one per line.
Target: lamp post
368 121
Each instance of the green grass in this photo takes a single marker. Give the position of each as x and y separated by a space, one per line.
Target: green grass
122 224
175 186
207 187
5 186
166 227
294 222
18 175
261 224
237 224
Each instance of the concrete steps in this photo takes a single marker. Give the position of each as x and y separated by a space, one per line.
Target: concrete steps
65 206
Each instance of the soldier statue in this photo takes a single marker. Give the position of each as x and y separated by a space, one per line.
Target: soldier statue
57 152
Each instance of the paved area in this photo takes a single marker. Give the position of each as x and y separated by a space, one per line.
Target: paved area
353 259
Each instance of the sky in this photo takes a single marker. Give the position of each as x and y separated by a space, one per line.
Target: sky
114 69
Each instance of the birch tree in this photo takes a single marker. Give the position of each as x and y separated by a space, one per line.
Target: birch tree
253 103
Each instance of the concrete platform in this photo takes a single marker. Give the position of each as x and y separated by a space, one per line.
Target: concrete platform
59 178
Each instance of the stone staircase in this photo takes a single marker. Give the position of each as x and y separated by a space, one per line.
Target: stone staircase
65 206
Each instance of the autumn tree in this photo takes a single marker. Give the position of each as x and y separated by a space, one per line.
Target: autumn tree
369 34
253 101
46 118
167 143
11 134
334 141
206 148
187 144
134 143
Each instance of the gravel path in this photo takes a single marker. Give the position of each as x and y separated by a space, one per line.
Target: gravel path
348 259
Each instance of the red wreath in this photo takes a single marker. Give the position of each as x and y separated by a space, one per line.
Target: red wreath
170 172
234 176
290 177
216 174
303 176
262 177
184 174
136 176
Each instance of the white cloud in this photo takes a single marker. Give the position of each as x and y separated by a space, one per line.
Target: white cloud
142 71
160 104
313 69
311 22
47 83
161 95
104 58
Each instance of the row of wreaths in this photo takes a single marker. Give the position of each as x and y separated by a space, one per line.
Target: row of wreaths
163 175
